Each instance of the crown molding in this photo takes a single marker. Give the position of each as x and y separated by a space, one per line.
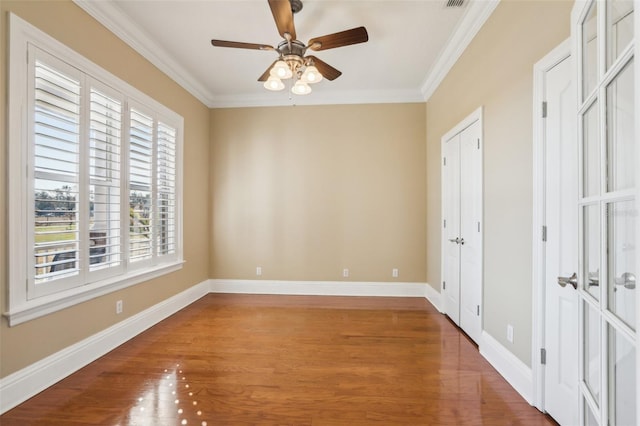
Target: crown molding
474 18
332 97
109 15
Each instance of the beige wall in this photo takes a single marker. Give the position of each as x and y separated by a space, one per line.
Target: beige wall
304 192
26 343
496 71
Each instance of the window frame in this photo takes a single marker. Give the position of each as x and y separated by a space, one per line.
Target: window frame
22 305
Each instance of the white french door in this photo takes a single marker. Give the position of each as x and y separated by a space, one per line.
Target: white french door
462 224
603 33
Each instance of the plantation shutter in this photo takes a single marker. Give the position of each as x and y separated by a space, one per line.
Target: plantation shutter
56 169
104 180
166 184
140 186
94 201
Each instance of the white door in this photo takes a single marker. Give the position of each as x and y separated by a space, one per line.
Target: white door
451 228
561 255
604 33
470 231
462 224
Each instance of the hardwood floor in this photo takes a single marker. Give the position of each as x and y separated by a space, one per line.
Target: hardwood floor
288 360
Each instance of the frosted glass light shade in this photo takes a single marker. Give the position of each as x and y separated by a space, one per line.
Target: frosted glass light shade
311 75
301 88
281 70
273 83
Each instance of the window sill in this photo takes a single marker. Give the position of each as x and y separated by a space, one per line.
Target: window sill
32 309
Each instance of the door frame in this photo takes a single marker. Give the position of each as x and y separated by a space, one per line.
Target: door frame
637 103
550 60
476 115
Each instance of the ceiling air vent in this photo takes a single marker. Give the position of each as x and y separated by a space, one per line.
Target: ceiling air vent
455 3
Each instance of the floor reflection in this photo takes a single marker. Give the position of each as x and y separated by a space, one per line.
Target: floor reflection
168 400
238 360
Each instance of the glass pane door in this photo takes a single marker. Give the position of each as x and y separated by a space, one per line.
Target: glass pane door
607 274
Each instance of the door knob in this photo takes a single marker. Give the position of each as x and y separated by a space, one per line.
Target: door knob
628 280
462 241
573 280
457 240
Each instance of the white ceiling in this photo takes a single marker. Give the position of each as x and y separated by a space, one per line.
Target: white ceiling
412 44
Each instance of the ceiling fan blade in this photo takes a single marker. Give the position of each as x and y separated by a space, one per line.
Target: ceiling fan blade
240 45
343 38
265 76
283 15
327 71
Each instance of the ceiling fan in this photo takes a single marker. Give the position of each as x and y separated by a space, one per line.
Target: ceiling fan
292 62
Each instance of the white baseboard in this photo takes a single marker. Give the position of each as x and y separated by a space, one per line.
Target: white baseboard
434 297
319 288
516 372
23 384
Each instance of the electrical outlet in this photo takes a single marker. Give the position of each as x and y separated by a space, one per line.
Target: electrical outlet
258 270
345 272
119 307
394 272
510 333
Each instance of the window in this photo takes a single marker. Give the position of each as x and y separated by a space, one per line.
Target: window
96 172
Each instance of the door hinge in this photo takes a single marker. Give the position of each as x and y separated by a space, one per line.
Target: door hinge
543 356
445 223
544 233
444 161
444 285
478 226
478 310
478 143
544 109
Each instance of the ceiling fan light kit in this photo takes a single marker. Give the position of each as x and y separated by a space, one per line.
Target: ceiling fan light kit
292 62
301 88
281 70
311 75
273 83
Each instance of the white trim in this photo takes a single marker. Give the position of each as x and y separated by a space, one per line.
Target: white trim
120 24
23 384
329 288
558 54
109 15
20 307
637 136
434 297
466 122
515 372
46 305
476 15
324 97
319 288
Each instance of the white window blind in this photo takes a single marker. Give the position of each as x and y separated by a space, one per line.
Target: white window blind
56 144
166 181
104 181
94 198
140 186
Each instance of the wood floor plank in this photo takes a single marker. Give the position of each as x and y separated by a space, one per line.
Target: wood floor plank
288 360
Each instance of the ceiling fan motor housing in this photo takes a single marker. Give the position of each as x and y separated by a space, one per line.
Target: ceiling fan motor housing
296 6
294 47
292 53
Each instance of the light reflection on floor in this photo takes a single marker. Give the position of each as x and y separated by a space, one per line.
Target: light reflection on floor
171 397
